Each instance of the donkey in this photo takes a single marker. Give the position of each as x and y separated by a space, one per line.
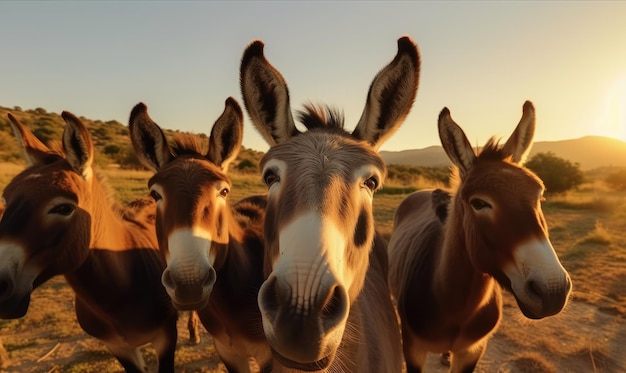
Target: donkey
214 253
60 218
447 267
326 304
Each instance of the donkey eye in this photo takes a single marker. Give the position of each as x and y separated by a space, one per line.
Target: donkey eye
155 195
270 178
64 209
371 183
224 192
479 204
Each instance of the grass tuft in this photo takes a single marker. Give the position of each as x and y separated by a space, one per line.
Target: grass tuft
599 236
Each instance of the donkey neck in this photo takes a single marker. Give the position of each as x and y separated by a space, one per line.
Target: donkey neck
122 262
240 261
456 279
233 307
110 230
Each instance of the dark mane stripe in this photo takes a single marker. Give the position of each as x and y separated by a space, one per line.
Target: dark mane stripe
493 151
317 116
189 144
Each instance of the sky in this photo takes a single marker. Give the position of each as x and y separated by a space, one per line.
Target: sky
481 59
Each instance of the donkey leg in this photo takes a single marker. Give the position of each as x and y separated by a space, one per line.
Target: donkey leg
193 325
165 346
234 362
130 358
414 352
465 361
444 359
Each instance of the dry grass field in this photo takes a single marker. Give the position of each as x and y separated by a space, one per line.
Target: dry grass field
588 230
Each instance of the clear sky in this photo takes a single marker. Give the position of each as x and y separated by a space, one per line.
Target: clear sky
481 59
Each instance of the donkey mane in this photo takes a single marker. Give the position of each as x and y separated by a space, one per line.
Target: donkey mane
189 144
321 116
493 151
56 152
109 194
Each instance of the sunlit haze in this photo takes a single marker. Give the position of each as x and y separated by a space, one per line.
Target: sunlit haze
480 59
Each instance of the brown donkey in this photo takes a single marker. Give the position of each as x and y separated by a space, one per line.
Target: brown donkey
60 218
326 304
446 276
214 253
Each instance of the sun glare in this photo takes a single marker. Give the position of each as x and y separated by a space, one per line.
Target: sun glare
612 121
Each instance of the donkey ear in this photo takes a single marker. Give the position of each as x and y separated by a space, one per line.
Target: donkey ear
455 143
148 139
518 145
265 96
77 145
226 135
390 95
33 149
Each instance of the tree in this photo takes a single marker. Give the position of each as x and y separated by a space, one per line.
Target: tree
559 175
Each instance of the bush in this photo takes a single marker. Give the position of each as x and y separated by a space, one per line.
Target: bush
559 175
247 166
409 175
617 180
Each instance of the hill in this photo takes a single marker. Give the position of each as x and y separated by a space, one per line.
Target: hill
112 143
111 138
590 152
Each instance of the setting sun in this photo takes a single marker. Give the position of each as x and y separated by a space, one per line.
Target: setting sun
612 121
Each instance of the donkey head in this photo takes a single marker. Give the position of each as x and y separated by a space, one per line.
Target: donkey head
498 204
319 224
45 229
190 187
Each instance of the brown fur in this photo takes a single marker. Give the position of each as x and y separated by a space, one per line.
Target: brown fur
316 316
108 254
320 165
447 265
188 181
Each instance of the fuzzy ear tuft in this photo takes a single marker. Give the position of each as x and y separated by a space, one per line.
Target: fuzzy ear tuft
78 145
519 144
265 96
455 143
391 95
226 135
148 139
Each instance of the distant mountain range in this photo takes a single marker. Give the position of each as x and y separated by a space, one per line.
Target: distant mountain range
113 144
589 152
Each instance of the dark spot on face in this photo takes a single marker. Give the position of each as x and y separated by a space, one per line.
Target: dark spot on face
361 229
220 224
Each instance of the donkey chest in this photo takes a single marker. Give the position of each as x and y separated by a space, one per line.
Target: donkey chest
231 316
455 328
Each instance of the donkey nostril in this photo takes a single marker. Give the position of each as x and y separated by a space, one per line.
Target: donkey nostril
210 279
335 308
167 280
268 296
6 288
534 289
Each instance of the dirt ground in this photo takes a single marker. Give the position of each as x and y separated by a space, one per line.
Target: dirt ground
581 339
